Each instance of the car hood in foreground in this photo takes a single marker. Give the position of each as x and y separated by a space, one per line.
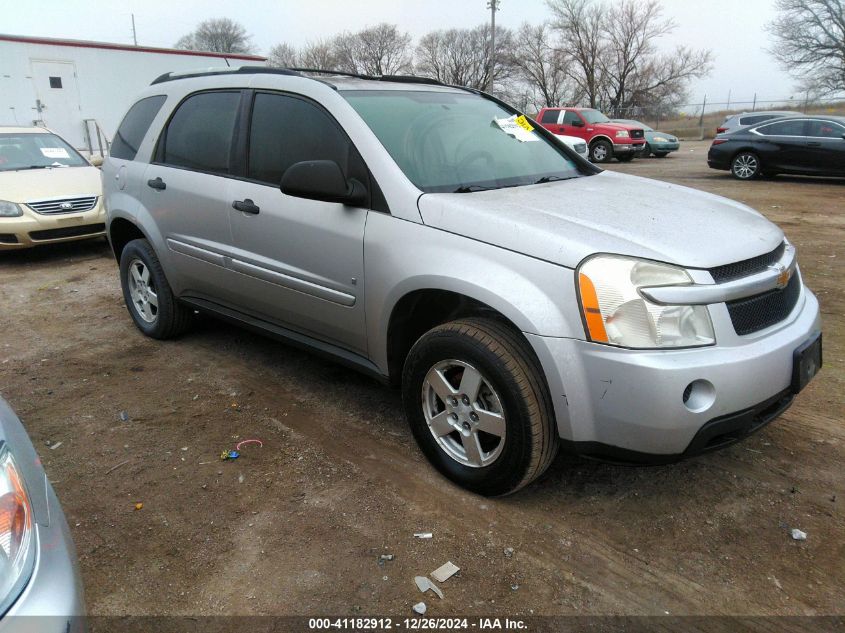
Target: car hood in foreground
564 222
36 184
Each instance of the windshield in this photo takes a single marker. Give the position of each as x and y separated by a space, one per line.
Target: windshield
459 142
36 151
594 116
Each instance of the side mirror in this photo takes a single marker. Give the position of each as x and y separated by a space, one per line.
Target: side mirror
96 161
322 180
578 123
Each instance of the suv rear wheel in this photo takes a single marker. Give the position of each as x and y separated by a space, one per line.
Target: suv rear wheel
478 406
149 299
601 151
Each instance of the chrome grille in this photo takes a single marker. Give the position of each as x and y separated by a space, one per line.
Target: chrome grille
63 205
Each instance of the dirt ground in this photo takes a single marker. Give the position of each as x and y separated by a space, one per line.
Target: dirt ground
296 527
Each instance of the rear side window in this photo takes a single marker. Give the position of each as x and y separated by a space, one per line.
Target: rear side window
550 116
199 136
134 127
759 118
783 128
824 129
287 130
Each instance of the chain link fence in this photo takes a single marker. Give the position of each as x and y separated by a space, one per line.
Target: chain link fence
700 120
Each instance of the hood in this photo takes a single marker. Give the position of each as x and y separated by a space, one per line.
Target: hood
35 184
616 126
564 222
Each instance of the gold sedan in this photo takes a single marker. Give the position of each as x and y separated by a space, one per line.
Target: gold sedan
48 191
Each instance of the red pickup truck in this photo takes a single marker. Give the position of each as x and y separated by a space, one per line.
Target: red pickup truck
605 139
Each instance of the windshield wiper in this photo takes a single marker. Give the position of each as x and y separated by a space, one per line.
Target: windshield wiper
546 179
471 188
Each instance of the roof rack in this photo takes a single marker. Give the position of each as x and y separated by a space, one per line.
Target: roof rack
295 72
237 70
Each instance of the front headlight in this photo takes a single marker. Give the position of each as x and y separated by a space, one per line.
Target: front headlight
622 134
617 314
661 139
16 544
10 210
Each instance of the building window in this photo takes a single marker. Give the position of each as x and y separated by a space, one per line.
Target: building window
55 82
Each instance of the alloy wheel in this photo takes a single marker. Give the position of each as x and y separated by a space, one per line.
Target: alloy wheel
745 166
464 413
142 291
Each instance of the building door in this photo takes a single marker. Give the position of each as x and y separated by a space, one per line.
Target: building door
57 99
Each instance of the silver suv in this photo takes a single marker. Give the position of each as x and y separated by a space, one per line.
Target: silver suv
435 238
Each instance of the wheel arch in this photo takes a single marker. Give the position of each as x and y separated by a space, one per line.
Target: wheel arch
601 137
121 231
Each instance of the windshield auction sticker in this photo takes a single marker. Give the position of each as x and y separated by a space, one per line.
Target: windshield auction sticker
517 127
54 152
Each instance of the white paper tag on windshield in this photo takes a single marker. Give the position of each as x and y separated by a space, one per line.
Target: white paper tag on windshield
54 152
517 127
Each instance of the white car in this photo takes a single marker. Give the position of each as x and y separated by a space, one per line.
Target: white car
578 144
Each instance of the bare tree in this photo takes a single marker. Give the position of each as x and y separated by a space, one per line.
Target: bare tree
320 55
541 66
462 56
810 42
632 66
614 57
283 56
581 26
376 50
219 35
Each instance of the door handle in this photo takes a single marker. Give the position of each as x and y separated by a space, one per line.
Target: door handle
247 206
157 183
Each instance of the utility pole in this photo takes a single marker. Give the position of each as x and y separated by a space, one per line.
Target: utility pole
134 35
493 5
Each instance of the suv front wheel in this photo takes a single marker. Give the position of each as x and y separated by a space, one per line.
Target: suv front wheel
478 406
149 299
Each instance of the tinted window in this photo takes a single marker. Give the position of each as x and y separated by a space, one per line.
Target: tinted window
287 130
824 129
758 118
783 128
570 117
550 116
134 127
199 135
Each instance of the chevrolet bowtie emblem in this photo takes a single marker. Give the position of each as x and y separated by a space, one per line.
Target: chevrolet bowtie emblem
784 275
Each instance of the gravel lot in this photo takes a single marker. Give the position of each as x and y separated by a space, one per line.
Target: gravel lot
296 527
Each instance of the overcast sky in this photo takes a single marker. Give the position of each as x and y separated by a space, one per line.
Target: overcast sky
733 29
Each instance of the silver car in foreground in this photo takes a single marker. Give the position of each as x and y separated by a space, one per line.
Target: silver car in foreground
40 589
434 237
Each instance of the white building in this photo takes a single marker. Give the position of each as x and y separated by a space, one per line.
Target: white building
77 87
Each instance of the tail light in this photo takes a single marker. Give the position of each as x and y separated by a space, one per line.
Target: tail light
719 130
719 141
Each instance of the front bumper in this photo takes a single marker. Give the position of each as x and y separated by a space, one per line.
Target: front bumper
628 148
631 401
52 600
665 147
32 229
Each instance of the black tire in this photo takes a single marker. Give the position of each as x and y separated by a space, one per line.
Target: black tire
505 361
646 151
661 154
170 318
625 158
746 166
604 150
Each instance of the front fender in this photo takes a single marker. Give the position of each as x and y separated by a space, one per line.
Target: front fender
402 257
